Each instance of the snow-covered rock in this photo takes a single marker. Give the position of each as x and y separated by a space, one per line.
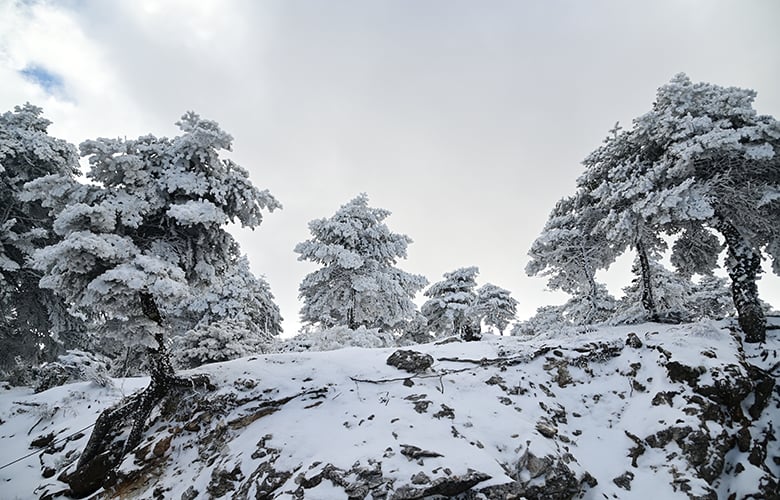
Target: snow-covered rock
647 411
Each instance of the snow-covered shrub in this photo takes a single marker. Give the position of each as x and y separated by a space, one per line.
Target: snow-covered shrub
216 342
73 366
547 318
337 338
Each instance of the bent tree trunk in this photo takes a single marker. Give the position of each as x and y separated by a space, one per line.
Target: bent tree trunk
743 265
104 451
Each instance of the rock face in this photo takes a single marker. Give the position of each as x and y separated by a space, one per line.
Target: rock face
410 361
689 411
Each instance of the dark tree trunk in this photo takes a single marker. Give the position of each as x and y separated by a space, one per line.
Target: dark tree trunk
743 265
351 323
471 330
102 454
645 281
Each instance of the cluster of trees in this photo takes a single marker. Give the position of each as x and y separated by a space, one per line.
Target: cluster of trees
137 262
359 285
701 169
138 259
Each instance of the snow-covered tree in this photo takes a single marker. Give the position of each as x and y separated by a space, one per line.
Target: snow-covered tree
451 308
34 324
618 182
701 160
710 298
671 295
358 283
142 239
546 319
238 317
596 307
711 136
496 306
569 251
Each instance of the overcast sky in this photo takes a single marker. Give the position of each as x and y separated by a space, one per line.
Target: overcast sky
467 120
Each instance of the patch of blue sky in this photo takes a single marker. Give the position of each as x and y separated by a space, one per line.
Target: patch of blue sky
50 82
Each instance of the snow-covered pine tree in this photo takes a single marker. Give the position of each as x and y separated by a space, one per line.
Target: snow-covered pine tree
701 159
139 241
34 323
710 137
451 308
546 319
358 283
596 307
618 179
672 293
496 306
569 251
710 298
238 317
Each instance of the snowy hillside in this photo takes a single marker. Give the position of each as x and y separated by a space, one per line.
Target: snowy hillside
649 411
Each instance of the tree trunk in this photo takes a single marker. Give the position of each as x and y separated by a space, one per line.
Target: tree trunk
102 454
351 324
743 265
590 276
645 281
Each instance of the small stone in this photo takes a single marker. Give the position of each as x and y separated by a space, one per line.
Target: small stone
546 429
663 398
633 341
162 446
624 480
421 478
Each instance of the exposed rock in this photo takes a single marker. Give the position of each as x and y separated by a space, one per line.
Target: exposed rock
664 397
414 452
557 479
624 480
42 441
85 480
546 428
445 412
410 361
162 446
633 341
679 372
443 486
764 385
421 478
190 494
222 481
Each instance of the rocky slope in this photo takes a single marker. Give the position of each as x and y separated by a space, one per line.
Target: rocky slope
651 411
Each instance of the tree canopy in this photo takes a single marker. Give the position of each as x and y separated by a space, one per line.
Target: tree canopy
701 161
358 283
34 323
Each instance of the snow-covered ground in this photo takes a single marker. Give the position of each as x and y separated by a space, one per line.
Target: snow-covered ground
321 424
